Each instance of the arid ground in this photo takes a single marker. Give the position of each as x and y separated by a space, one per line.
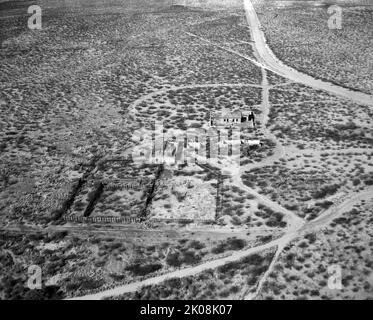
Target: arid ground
78 96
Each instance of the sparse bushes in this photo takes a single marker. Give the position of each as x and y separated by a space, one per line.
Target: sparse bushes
57 236
311 237
176 259
139 269
229 244
272 218
197 245
326 191
324 205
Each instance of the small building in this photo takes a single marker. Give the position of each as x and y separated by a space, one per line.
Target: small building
252 143
232 118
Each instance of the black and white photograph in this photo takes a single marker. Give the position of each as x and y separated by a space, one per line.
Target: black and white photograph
195 151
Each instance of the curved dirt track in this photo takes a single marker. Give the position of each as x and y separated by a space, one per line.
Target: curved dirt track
131 287
275 65
336 210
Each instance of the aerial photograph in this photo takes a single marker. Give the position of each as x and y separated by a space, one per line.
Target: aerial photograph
186 150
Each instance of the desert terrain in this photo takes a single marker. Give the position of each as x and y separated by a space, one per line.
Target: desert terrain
111 205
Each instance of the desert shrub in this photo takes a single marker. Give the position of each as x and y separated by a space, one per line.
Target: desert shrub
117 277
254 259
324 204
90 284
265 239
311 237
341 220
236 220
326 191
251 280
273 219
224 293
229 244
57 236
52 268
174 260
14 289
236 244
303 245
189 257
292 206
6 260
100 263
84 283
115 245
197 245
142 270
36 237
46 293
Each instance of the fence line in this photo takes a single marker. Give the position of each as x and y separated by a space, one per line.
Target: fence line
74 218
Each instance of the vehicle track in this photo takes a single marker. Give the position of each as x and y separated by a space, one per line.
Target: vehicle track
274 64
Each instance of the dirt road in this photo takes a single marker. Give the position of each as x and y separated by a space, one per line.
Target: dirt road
337 209
275 65
131 287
